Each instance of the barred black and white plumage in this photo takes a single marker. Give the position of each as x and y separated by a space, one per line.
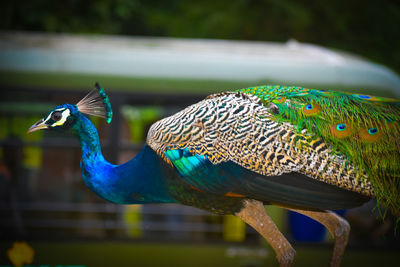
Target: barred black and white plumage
239 128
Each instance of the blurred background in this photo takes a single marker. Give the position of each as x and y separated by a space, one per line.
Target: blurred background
155 58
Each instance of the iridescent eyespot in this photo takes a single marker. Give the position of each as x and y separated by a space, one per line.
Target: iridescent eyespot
310 109
56 116
368 97
374 98
341 127
370 134
341 130
279 100
372 130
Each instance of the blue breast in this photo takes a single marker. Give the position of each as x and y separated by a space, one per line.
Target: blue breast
139 181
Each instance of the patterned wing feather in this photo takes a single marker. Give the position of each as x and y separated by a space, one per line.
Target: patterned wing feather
273 131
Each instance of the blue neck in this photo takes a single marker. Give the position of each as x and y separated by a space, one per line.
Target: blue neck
141 180
89 138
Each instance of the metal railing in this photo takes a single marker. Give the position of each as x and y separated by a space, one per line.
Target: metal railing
62 217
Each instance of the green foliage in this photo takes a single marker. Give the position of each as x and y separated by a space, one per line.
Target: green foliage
368 28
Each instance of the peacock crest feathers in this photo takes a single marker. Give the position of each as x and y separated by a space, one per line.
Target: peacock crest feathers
96 103
364 128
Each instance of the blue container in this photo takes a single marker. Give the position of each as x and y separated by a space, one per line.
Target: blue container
305 229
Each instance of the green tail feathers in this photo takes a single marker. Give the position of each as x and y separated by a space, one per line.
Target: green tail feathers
364 128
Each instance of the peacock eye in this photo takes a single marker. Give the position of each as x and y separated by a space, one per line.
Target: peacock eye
341 127
372 130
56 116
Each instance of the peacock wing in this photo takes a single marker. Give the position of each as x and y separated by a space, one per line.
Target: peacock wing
230 179
236 144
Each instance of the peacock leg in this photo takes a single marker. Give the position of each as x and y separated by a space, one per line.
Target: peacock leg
254 214
337 226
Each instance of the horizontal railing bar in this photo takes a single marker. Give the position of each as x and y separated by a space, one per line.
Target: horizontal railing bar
162 209
115 225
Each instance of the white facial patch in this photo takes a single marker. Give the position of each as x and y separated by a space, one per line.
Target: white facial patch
64 115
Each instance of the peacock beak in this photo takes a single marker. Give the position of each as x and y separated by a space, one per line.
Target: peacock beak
39 125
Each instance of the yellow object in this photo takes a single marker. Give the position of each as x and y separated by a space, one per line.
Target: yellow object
17 126
234 229
21 253
133 217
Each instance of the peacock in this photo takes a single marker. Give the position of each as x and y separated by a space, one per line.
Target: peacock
306 150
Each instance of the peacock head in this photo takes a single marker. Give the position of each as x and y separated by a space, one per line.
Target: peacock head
64 117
